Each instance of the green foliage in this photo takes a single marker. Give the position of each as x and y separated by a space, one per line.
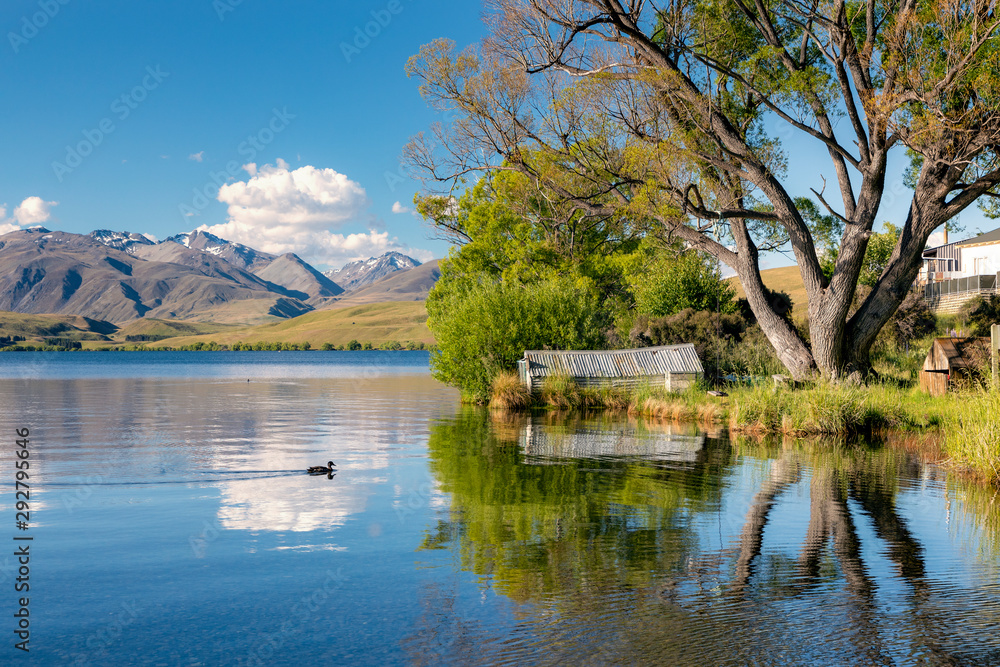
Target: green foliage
880 247
877 254
672 283
980 313
484 328
327 346
505 227
726 343
353 345
533 528
912 321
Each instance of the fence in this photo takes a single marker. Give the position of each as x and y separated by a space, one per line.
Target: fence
948 296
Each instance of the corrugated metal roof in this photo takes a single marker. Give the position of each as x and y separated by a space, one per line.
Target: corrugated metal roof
659 360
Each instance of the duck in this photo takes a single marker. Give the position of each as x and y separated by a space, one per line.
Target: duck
322 470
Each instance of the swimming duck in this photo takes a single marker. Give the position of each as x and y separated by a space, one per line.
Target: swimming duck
322 470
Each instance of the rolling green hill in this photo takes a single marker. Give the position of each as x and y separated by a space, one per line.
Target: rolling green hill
154 329
36 328
372 323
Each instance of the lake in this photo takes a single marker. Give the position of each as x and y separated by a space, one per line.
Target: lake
172 523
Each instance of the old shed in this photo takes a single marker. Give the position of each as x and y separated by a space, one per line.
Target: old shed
951 360
675 367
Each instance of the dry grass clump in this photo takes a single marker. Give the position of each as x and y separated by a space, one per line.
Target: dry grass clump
507 392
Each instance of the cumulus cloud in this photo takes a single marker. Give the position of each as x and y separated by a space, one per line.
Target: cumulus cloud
31 211
279 210
399 208
306 198
197 157
34 211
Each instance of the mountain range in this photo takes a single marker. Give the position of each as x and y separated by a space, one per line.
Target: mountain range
367 271
121 276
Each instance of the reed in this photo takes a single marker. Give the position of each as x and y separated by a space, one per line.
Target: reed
972 434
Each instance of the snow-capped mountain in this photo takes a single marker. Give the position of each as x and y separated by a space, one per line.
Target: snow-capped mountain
126 241
236 254
366 271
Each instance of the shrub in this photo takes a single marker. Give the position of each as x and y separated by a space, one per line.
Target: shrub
715 336
484 328
980 313
327 346
689 280
353 345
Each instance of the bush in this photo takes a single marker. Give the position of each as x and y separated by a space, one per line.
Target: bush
327 346
483 329
913 320
689 280
716 337
353 345
980 313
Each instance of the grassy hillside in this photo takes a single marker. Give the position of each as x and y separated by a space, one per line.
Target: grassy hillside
410 285
154 329
373 323
785 279
35 328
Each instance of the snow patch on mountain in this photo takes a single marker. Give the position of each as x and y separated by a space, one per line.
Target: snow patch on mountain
366 271
125 241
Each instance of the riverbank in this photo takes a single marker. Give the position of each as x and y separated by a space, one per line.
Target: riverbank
968 422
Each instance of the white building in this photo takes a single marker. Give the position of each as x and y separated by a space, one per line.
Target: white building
978 256
955 272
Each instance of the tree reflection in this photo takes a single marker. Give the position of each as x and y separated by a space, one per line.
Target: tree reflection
617 560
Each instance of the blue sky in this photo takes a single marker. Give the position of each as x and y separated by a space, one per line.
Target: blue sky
165 98
130 115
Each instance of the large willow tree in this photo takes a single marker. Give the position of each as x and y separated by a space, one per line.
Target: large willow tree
673 112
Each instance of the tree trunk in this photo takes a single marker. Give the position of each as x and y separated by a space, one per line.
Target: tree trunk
789 346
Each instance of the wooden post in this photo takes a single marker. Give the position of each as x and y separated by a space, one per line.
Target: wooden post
994 344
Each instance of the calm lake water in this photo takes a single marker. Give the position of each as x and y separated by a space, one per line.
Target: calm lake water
172 524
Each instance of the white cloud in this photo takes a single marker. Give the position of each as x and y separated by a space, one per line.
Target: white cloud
197 157
281 210
306 198
936 239
321 247
31 211
34 211
399 208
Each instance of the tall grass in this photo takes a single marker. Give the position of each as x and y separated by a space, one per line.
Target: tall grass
830 408
508 393
972 434
823 408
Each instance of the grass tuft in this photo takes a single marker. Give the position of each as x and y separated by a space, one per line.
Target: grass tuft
507 392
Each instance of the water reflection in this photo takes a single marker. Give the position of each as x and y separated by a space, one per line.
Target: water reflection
572 439
625 542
